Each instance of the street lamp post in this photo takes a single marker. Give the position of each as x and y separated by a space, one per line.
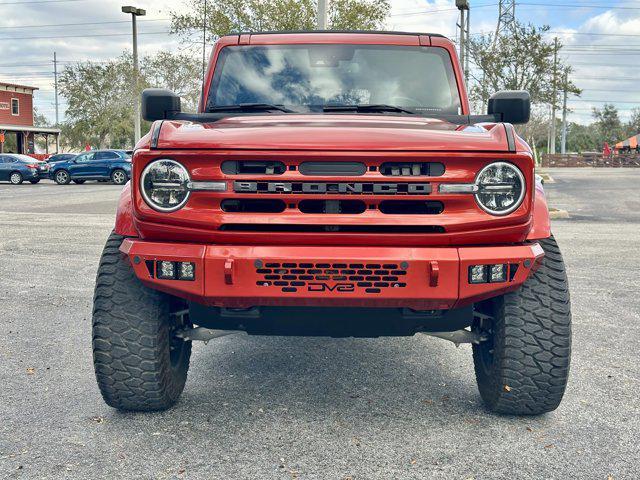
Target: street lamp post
135 12
463 6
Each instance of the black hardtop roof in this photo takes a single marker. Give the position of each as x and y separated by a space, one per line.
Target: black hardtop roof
372 32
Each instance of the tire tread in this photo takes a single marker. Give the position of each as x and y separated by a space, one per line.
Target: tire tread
131 338
533 342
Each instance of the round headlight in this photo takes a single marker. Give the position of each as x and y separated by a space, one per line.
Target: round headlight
501 188
165 185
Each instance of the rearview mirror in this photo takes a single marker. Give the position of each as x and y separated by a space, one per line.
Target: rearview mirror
512 106
159 104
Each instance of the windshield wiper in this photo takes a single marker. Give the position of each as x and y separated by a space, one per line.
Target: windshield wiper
367 108
249 107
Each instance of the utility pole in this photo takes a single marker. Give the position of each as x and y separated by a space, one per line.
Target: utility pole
563 145
463 26
322 14
204 42
55 86
506 18
135 12
466 48
552 146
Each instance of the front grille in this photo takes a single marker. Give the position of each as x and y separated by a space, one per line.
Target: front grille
344 277
282 192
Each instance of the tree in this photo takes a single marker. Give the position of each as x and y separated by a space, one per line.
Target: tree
39 119
271 15
177 72
520 60
582 138
633 125
99 107
358 14
100 96
608 125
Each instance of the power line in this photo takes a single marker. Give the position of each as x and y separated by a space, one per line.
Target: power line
83 23
428 12
596 34
575 5
86 36
39 1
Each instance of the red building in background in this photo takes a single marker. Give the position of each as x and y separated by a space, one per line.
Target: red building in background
17 132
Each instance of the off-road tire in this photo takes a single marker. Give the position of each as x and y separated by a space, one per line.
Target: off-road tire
34 181
78 181
132 338
61 179
15 178
523 367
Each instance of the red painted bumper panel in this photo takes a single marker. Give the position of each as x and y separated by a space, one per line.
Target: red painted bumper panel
246 276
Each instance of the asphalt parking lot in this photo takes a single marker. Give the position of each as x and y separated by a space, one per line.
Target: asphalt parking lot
285 408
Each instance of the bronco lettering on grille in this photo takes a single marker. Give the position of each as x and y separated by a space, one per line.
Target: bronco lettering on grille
357 188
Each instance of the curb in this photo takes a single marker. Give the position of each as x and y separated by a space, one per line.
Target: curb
547 178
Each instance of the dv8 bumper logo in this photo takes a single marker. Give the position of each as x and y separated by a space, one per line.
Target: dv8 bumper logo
325 287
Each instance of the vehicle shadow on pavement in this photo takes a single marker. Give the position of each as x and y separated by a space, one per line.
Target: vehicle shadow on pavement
320 376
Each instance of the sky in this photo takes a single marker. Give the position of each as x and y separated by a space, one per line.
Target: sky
601 39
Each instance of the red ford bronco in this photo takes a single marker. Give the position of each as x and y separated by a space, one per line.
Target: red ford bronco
333 184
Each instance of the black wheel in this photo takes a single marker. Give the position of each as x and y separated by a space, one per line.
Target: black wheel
119 177
79 182
16 178
62 177
523 366
140 363
34 181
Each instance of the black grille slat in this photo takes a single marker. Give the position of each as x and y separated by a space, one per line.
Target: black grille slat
330 169
411 207
253 205
251 167
396 229
412 169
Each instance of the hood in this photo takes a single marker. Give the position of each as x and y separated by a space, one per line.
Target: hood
333 132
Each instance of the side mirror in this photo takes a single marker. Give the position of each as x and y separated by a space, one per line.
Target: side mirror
159 104
512 106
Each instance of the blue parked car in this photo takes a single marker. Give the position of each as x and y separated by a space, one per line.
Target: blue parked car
60 157
17 168
102 165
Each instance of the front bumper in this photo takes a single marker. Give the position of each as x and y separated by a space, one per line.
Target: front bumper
236 276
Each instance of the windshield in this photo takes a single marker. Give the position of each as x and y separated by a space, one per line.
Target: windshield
311 77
